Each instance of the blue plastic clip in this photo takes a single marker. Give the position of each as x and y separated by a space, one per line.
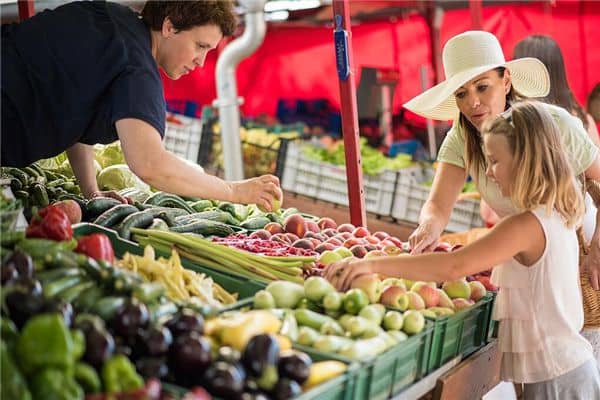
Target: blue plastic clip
340 38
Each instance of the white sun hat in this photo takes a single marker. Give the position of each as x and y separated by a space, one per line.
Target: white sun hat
470 54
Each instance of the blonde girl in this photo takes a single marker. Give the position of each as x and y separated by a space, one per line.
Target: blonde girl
539 303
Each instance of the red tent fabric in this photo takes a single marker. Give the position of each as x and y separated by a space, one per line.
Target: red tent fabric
298 62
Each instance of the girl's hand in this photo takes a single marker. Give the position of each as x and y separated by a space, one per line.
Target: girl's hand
113 195
342 273
262 191
425 238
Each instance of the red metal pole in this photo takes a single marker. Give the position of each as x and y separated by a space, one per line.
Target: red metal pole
345 68
26 9
476 18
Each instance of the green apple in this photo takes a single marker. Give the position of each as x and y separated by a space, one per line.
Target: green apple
329 257
344 252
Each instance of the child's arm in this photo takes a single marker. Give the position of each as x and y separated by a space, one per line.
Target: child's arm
517 234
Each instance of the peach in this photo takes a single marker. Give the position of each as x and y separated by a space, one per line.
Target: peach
381 235
394 296
346 228
281 238
358 250
444 301
273 228
430 295
304 244
295 224
372 239
311 226
478 291
370 247
324 247
291 237
260 234
360 232
457 289
334 241
415 301
396 241
315 242
351 242
370 284
460 303
345 235
326 223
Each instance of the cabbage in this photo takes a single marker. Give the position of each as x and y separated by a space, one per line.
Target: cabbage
117 177
110 154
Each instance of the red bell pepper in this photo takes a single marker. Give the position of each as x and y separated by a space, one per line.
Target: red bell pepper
50 223
97 246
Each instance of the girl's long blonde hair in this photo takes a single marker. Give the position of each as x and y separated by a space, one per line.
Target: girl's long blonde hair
542 173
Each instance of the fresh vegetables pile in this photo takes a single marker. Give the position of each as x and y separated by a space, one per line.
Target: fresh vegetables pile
373 161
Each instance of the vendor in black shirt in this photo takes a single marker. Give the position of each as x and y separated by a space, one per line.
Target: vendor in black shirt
87 73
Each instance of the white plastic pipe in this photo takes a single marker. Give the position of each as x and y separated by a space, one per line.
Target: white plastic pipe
227 100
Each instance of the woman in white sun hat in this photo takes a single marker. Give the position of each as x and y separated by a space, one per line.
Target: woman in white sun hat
480 84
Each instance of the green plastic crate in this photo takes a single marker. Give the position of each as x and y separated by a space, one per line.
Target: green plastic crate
392 371
338 388
244 287
460 334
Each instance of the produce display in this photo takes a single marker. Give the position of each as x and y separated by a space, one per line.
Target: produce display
81 317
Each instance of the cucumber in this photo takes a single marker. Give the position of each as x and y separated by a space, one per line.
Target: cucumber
20 175
212 215
55 274
204 227
88 298
51 289
98 205
140 219
107 307
72 293
312 319
39 195
61 259
255 223
148 292
201 205
168 200
93 268
114 215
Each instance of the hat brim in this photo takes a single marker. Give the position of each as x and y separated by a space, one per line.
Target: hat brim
529 77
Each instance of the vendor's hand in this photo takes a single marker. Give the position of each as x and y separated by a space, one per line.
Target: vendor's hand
342 273
425 238
113 195
591 264
262 191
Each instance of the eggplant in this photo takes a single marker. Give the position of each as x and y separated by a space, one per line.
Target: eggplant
23 299
129 318
185 321
153 342
228 355
260 358
9 273
295 366
224 380
254 396
152 367
63 308
190 354
21 262
100 345
286 389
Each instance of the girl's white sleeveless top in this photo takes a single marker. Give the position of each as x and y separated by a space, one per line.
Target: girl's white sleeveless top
540 309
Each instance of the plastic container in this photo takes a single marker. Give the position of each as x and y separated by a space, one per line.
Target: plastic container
328 182
392 371
460 334
9 219
245 288
183 135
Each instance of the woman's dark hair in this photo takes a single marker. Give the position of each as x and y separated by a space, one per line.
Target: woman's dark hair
593 103
188 14
545 49
474 157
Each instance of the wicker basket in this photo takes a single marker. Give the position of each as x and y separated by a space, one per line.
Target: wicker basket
591 297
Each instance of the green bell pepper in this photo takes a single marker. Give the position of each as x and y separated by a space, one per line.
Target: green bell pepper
87 377
119 375
54 384
13 384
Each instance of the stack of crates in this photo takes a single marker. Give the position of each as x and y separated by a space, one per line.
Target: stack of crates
182 136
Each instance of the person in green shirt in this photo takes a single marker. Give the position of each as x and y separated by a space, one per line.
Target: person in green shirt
480 84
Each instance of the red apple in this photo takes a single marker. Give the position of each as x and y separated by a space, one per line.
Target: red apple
295 224
370 247
273 228
396 241
346 228
360 232
326 223
260 234
334 241
281 238
323 247
312 226
381 235
304 244
329 232
315 242
358 250
351 242
291 237
372 239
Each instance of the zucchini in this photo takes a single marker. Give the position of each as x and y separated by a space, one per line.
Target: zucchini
71 294
140 219
148 292
168 200
98 205
114 215
255 223
212 215
204 227
201 205
107 307
55 274
87 299
51 289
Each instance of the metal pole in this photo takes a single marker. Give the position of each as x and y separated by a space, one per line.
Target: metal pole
430 130
345 67
26 9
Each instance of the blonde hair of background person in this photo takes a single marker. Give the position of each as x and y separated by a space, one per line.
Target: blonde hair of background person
479 85
545 49
540 314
